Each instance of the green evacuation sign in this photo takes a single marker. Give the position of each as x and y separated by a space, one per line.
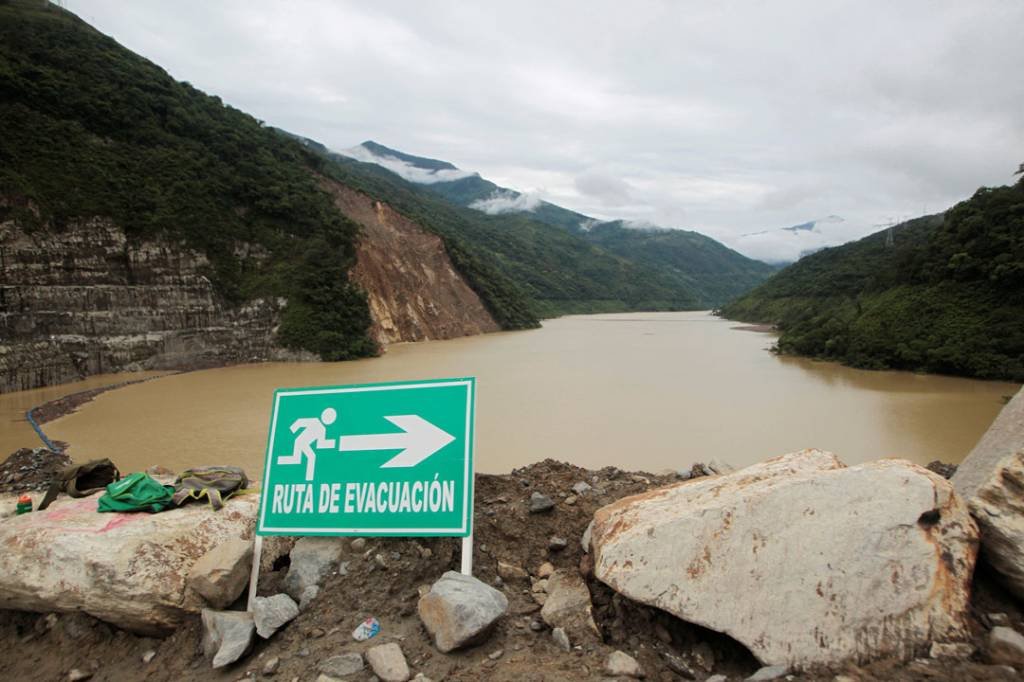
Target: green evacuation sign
373 459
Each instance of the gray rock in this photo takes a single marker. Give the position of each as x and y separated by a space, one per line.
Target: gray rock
769 672
557 544
585 538
221 575
540 503
78 675
460 610
388 662
561 639
308 596
271 666
717 678
149 656
342 665
568 606
1005 646
227 635
581 487
312 560
358 544
270 613
1003 438
420 677
621 664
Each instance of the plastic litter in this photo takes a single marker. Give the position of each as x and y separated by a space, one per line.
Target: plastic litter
365 630
24 505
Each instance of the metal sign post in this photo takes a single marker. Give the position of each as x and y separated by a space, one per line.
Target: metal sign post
391 459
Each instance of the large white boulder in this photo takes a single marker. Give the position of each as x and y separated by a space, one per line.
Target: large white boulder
127 569
800 558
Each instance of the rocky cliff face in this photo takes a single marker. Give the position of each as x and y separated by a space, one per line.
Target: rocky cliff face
414 292
85 301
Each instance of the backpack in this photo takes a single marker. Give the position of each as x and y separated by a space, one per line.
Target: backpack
215 483
136 492
82 480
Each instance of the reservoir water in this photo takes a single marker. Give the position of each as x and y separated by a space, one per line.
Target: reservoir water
638 391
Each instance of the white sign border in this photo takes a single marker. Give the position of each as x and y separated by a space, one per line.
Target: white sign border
463 531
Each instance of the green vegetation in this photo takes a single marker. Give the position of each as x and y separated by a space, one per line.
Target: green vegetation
92 130
558 272
703 272
947 296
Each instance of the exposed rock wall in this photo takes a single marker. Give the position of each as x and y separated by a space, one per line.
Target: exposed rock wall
85 301
414 292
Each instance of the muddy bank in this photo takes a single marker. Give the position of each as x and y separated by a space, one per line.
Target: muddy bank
382 577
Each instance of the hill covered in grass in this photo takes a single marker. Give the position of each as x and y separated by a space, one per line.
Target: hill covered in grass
947 296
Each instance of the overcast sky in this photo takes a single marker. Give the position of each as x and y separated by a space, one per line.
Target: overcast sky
726 118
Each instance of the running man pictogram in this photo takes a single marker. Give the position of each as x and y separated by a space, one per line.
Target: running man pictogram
314 431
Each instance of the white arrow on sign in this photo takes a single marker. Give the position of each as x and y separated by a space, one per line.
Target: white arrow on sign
417 440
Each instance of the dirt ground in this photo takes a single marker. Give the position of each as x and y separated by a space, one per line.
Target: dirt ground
382 581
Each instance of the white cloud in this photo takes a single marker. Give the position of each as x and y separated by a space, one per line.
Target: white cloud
404 169
726 118
507 202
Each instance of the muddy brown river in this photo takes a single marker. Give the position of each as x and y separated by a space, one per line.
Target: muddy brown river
639 391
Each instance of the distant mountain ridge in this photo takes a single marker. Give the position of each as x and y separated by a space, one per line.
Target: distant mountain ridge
710 270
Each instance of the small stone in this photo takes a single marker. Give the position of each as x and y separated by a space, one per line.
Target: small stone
545 570
380 560
227 635
717 678
460 610
561 639
536 625
585 538
557 544
959 650
495 655
662 633
271 666
679 666
1006 646
581 487
540 503
271 613
312 560
570 501
317 633
539 597
621 664
77 675
539 586
995 619
342 665
358 544
511 572
844 678
420 677
388 662
769 672
149 656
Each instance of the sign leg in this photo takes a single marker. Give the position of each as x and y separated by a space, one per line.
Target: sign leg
254 577
467 555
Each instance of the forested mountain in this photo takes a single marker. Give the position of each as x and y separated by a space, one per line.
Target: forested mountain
946 295
710 271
